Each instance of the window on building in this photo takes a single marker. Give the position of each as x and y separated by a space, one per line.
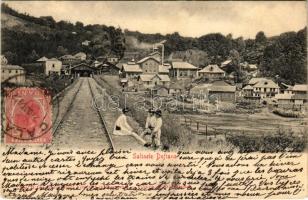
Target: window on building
9 71
16 71
53 65
2 71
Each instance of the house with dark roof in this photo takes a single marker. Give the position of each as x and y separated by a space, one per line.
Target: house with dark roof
12 74
215 91
212 72
183 70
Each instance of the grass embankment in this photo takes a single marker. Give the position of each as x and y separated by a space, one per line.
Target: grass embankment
287 113
284 140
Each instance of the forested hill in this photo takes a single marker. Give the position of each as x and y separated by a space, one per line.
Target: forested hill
26 38
282 56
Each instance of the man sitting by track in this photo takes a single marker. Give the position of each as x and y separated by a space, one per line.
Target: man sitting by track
121 127
150 123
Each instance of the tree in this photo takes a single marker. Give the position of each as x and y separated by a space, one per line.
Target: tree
260 38
61 51
33 56
79 25
11 57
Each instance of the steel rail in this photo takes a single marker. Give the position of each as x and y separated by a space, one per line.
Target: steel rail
57 126
101 117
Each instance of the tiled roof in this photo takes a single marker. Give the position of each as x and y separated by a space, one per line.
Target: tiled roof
80 54
226 62
283 96
163 69
256 80
176 86
300 87
164 78
53 59
149 77
215 87
299 97
67 57
132 68
183 65
11 67
266 84
153 53
248 87
42 59
219 88
146 58
146 77
212 69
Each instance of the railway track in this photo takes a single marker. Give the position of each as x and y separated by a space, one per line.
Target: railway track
58 125
101 117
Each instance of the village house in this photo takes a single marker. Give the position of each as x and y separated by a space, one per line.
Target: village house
286 89
69 59
175 88
4 61
107 68
226 64
284 98
53 66
247 91
300 94
149 80
85 43
212 72
159 90
131 70
12 74
215 91
263 87
149 65
183 70
113 59
80 56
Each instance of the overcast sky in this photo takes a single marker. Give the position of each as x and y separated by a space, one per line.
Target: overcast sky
188 18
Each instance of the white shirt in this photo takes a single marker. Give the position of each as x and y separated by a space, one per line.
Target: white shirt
158 124
150 122
122 123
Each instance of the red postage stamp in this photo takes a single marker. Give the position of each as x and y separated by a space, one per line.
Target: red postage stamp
27 116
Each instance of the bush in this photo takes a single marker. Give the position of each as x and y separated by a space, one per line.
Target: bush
287 113
283 141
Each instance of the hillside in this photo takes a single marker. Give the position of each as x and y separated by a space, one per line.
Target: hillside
26 38
16 23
